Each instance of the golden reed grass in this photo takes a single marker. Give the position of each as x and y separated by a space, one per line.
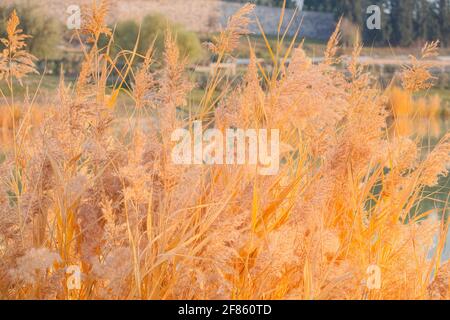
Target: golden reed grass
411 115
73 193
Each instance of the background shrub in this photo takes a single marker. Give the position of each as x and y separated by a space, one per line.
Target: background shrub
45 31
154 27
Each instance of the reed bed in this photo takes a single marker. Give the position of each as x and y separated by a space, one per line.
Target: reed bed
76 192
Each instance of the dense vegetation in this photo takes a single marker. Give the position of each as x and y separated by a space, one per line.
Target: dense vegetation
404 22
82 189
272 3
45 32
153 29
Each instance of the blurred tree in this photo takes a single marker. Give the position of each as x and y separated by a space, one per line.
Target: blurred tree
352 10
444 21
270 3
321 5
153 29
433 26
383 35
45 31
402 22
125 36
422 9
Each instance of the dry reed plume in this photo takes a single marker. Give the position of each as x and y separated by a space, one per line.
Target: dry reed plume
74 193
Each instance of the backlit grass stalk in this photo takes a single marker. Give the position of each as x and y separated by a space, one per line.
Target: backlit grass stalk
102 193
